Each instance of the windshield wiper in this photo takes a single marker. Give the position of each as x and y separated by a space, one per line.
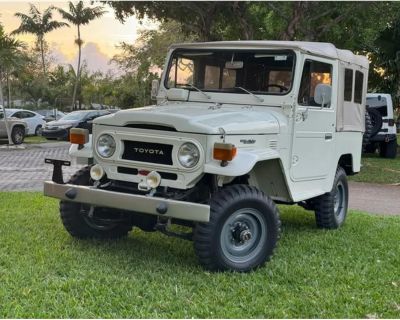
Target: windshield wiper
252 94
192 86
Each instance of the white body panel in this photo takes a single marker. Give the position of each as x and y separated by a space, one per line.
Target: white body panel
290 151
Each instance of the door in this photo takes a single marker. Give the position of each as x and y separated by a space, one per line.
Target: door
314 124
29 118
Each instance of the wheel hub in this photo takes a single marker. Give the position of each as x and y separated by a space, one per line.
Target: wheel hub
241 233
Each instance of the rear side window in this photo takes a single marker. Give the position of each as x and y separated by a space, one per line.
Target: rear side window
358 87
348 84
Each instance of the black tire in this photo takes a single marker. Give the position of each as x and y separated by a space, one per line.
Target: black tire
38 130
77 222
367 133
370 148
18 135
331 207
242 233
388 149
376 121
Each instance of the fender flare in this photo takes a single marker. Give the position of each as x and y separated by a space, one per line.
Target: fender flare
242 164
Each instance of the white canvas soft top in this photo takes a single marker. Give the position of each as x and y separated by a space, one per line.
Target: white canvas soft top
317 48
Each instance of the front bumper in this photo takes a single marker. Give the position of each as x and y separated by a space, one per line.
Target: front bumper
58 133
383 138
130 202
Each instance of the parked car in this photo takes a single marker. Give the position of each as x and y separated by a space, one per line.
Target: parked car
59 129
35 121
18 128
51 115
382 127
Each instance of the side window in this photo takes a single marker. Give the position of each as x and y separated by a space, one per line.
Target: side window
27 114
358 87
348 84
18 115
314 72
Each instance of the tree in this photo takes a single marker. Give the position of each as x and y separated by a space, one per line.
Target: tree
205 19
385 61
10 59
79 15
38 24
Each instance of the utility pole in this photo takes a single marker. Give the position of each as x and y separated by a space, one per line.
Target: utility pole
4 110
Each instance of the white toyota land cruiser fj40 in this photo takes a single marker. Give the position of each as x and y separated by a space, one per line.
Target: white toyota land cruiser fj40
238 126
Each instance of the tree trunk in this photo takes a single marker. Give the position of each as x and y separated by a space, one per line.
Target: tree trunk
9 90
78 70
4 110
42 53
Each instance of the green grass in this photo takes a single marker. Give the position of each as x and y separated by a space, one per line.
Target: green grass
45 273
378 170
36 139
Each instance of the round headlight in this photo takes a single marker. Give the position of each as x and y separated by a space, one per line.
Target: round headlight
188 155
106 145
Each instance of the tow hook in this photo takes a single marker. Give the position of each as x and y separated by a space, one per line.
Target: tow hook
57 169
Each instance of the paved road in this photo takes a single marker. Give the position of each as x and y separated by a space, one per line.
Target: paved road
375 198
22 170
25 170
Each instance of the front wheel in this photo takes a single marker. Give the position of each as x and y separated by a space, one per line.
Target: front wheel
18 135
242 233
331 207
85 221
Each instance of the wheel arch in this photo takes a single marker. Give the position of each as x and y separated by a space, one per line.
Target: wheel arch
346 162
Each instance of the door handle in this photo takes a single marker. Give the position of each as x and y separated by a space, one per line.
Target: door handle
328 136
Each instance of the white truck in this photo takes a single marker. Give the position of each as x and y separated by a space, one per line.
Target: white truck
238 127
382 135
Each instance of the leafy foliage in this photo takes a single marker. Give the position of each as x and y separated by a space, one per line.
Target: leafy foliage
38 24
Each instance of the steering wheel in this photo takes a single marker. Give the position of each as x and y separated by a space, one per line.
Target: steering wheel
282 88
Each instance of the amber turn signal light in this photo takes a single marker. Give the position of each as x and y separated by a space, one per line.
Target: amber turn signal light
78 136
224 151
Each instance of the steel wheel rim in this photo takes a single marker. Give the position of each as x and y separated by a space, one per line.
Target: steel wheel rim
340 200
242 223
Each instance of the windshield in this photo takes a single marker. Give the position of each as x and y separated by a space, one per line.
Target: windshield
74 116
262 72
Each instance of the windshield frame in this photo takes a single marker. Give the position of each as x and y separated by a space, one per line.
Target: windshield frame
276 51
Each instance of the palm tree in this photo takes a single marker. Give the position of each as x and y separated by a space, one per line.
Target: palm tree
79 15
38 24
11 57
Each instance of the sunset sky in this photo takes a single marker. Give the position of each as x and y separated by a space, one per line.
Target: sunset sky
100 37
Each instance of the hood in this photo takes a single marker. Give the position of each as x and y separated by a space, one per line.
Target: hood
56 123
200 118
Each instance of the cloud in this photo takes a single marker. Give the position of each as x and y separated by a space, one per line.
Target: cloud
91 55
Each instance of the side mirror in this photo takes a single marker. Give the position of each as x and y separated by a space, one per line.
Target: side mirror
323 94
154 89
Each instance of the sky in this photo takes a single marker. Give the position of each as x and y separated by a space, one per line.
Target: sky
100 37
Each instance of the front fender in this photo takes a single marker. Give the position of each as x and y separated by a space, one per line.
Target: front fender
242 163
84 154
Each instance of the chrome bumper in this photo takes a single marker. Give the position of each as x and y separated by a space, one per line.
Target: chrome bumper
131 202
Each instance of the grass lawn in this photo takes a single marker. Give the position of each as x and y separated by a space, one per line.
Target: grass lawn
347 273
36 139
378 170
